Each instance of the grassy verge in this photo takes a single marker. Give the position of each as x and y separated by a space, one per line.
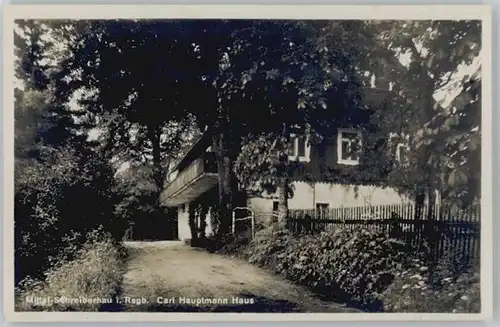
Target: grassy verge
88 283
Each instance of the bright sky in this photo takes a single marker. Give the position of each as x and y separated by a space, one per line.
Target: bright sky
447 93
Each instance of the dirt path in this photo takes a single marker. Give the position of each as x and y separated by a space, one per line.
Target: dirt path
169 276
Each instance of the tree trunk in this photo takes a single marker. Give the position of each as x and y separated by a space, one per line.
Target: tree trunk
431 196
283 199
154 136
224 170
419 204
203 221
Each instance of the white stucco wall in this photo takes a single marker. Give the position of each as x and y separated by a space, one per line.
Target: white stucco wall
336 195
208 229
183 223
305 197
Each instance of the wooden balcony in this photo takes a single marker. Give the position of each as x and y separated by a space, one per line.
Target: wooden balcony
199 177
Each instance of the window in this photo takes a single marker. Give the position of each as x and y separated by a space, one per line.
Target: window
299 148
348 146
322 210
400 144
275 206
172 176
402 153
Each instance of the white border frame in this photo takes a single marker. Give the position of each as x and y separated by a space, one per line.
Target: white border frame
411 12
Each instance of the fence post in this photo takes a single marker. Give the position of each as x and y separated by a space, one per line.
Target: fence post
232 223
253 225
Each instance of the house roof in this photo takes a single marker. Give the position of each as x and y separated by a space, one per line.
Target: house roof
200 145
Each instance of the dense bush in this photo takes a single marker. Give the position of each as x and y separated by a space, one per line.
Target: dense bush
453 285
94 273
138 195
348 265
228 243
268 244
417 290
363 268
60 197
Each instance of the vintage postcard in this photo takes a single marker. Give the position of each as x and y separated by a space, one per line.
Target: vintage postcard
247 163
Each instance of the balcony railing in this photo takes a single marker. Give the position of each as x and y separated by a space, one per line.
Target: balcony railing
192 181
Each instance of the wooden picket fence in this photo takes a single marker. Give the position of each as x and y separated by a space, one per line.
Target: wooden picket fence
444 229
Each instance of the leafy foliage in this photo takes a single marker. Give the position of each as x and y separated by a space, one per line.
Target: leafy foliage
268 243
231 244
30 51
298 87
52 211
95 273
132 82
138 204
413 290
125 76
346 265
443 135
296 76
57 172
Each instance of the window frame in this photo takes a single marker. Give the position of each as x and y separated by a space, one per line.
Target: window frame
403 142
340 131
307 149
397 155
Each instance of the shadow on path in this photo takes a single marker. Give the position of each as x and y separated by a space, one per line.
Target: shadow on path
174 271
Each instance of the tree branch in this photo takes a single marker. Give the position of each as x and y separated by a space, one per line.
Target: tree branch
414 50
442 84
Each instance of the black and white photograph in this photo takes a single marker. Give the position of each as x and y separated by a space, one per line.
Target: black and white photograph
255 164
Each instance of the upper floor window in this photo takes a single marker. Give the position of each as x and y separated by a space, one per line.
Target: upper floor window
400 144
348 146
299 148
402 153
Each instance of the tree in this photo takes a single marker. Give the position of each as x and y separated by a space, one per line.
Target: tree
127 76
126 67
30 52
455 134
279 71
55 166
418 60
37 60
138 79
284 75
431 69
